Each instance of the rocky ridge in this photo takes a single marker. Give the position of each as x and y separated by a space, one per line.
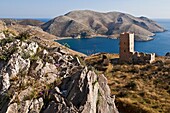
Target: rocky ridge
36 77
109 24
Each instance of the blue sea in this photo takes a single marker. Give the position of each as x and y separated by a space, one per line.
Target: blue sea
160 45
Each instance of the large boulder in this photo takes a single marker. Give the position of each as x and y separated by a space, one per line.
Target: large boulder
88 92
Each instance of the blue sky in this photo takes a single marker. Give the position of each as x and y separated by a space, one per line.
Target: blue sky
53 8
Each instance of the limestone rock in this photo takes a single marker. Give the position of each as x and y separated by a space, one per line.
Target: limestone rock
25 93
2 36
49 73
60 105
24 107
15 65
36 79
32 48
13 108
105 102
36 106
83 89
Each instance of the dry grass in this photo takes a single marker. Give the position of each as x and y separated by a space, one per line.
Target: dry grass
139 88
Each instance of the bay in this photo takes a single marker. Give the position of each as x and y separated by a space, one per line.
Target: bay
160 45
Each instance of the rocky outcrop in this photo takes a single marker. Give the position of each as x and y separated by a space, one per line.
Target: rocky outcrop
95 23
35 78
2 35
142 38
168 54
89 92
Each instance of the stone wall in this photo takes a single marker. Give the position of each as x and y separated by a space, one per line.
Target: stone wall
139 57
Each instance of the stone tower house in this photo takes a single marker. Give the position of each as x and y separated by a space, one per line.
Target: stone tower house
126 46
128 54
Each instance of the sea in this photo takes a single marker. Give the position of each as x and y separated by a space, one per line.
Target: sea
160 45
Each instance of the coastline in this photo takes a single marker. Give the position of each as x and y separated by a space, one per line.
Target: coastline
116 36
62 38
91 36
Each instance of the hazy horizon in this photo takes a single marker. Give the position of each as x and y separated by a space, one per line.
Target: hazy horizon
50 9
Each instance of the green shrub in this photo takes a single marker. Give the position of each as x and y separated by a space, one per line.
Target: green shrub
23 36
5 54
131 85
25 55
123 94
3 57
34 58
8 32
3 42
12 49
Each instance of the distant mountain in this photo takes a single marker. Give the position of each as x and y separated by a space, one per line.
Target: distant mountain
95 23
31 22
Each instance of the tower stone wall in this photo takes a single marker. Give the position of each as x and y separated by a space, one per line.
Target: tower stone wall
126 46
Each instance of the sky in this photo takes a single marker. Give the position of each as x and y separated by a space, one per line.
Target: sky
53 8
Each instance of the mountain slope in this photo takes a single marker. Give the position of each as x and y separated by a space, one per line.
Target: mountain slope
95 23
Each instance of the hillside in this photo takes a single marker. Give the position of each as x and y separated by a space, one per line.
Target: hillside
2 25
94 23
38 75
139 88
